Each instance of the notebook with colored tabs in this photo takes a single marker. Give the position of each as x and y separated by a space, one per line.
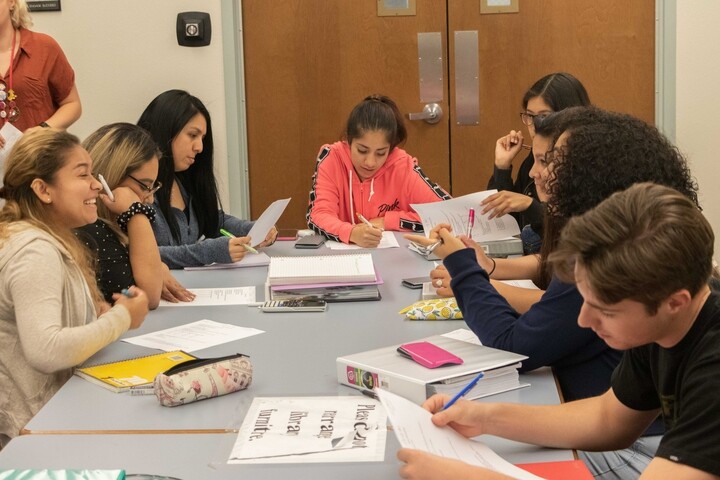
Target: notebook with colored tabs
134 372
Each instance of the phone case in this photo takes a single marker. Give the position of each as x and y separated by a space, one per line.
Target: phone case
415 282
311 241
428 354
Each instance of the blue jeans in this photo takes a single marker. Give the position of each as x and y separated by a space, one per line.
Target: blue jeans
531 240
623 464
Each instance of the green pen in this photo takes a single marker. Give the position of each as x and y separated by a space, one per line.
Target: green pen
230 235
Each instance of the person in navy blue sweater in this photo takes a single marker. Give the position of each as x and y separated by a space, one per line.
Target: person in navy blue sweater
595 154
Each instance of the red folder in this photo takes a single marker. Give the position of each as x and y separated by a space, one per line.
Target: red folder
568 470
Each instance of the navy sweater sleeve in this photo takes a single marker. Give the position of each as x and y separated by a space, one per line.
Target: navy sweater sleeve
548 333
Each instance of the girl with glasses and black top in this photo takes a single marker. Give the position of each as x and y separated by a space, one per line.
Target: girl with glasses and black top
551 93
122 238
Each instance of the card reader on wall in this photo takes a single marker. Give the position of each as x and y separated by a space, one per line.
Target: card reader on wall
193 29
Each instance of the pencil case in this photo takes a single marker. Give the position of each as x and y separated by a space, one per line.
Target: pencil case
200 379
435 309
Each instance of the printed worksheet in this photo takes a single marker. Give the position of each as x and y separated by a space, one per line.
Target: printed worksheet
193 336
456 212
312 430
414 429
206 297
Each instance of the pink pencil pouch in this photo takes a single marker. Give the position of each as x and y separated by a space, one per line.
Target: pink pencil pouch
428 354
203 378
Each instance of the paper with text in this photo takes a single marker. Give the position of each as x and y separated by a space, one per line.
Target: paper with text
455 212
388 241
193 336
249 260
206 297
414 429
267 220
311 430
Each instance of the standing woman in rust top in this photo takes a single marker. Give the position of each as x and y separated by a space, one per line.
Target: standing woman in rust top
37 83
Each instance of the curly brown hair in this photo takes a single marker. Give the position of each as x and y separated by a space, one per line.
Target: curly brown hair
605 152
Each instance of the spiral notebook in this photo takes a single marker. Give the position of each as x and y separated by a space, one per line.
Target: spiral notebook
132 373
321 269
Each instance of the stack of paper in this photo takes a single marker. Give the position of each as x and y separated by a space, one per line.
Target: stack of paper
321 269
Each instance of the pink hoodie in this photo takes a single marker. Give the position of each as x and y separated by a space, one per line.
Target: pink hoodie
337 193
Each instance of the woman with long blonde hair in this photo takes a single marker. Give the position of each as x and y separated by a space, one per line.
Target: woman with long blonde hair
52 316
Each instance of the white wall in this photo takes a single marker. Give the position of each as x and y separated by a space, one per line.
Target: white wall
125 53
698 100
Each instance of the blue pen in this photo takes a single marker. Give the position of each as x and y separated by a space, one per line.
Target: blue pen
462 392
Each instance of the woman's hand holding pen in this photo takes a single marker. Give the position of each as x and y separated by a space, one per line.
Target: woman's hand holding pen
135 300
237 249
507 148
366 236
441 238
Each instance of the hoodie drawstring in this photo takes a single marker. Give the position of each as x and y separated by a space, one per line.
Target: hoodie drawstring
372 188
350 200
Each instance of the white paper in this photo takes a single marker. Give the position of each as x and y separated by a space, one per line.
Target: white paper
193 336
267 220
455 212
312 430
414 429
11 135
463 334
388 241
205 297
529 284
249 260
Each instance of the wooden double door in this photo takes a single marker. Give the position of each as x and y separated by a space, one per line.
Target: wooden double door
308 62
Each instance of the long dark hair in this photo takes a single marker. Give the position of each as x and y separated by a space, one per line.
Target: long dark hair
164 118
559 90
605 152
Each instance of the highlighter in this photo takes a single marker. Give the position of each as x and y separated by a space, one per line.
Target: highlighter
245 245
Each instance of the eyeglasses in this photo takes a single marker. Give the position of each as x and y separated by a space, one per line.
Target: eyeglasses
528 118
148 190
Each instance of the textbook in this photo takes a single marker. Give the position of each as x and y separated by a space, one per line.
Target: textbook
137 372
321 269
388 369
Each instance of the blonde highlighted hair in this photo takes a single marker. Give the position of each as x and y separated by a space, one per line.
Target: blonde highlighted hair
117 150
39 154
20 15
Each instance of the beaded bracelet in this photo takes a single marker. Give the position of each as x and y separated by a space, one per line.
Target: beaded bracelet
494 265
134 209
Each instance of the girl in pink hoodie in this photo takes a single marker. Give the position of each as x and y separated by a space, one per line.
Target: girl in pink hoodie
368 175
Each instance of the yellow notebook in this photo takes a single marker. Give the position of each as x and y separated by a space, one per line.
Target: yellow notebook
134 372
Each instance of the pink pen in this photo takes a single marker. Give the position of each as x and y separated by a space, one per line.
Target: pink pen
471 222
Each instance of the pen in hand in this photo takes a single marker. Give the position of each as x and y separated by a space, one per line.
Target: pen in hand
366 221
106 188
462 392
471 222
245 245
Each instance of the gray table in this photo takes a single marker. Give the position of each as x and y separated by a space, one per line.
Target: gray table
295 357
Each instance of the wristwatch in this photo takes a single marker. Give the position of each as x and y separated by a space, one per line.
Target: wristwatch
44 125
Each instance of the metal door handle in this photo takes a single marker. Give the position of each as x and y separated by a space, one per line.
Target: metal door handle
432 113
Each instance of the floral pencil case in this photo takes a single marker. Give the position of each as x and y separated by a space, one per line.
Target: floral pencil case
203 378
436 309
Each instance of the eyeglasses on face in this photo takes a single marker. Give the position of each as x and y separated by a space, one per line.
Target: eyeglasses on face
528 118
148 190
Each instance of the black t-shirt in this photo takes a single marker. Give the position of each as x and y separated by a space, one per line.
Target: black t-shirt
684 382
112 271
